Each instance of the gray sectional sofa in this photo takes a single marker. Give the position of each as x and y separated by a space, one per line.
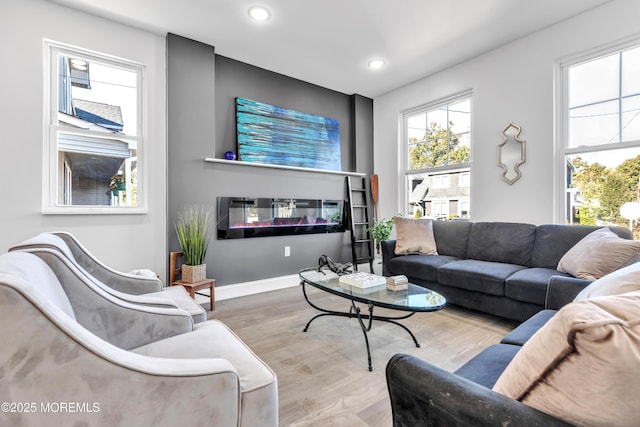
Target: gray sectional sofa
573 362
499 268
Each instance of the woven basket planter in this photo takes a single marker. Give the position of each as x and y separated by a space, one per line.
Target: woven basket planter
194 273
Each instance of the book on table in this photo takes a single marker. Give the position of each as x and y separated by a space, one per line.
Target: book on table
363 280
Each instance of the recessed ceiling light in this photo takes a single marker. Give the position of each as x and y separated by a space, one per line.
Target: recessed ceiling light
259 13
376 64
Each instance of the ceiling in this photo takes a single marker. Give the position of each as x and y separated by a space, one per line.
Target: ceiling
329 42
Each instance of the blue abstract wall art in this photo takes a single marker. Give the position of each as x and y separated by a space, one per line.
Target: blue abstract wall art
273 135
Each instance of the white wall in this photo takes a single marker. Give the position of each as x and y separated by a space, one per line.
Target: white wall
122 241
512 83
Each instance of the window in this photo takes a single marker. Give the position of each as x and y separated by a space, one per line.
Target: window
600 101
441 181
464 179
437 158
94 137
440 209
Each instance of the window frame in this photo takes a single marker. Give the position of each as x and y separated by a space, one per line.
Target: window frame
51 129
403 149
562 123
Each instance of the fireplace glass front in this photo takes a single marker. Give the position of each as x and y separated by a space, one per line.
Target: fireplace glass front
242 217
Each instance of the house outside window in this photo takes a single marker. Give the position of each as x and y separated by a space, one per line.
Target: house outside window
437 159
600 134
94 139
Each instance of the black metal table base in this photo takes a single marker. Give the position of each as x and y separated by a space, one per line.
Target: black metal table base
365 320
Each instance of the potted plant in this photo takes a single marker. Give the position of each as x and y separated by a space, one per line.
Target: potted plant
380 231
117 183
192 229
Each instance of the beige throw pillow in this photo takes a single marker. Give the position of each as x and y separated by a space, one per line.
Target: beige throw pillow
583 365
599 253
626 279
414 236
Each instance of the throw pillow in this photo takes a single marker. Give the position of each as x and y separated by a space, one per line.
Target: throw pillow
626 279
582 365
599 253
414 236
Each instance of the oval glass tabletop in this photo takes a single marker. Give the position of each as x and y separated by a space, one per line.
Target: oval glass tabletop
414 298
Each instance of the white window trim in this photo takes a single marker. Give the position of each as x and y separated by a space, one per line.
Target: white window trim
561 120
403 148
50 204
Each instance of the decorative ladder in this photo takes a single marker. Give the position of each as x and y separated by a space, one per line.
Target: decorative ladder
361 240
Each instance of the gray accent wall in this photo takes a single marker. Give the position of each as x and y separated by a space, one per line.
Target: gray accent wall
202 88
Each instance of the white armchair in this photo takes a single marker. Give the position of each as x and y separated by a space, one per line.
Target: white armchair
137 289
72 345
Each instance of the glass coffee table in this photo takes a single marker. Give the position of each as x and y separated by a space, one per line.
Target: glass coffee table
414 299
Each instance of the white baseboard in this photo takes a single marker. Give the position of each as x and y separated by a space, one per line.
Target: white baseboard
256 287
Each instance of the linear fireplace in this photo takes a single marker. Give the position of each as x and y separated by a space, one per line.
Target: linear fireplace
242 217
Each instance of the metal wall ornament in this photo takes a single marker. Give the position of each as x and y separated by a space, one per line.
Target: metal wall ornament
511 153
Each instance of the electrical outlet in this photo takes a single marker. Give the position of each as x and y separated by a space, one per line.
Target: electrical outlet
287 251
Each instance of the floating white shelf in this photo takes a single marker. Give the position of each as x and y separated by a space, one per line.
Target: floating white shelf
291 168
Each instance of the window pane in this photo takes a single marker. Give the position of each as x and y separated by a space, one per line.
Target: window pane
599 183
96 171
417 187
416 134
593 125
460 117
437 117
107 99
417 126
438 196
631 118
594 81
631 72
447 132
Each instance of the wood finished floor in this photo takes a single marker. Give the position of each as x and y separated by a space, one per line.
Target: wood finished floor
322 374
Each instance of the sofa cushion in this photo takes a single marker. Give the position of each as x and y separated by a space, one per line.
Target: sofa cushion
523 332
414 236
480 276
554 240
599 253
582 366
511 243
179 296
486 367
626 279
530 284
452 237
424 267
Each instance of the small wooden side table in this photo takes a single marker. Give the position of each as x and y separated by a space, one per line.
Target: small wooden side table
193 287
175 270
